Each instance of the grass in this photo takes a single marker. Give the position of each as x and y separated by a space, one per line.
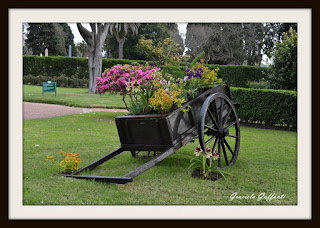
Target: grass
77 97
267 163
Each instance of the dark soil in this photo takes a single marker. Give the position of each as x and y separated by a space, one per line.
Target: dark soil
211 176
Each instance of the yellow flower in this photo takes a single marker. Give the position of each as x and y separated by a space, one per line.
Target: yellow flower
49 157
63 153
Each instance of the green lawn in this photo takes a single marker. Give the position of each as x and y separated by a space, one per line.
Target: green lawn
267 163
77 97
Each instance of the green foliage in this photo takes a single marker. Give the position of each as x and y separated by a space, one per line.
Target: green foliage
267 106
68 66
82 49
197 58
240 76
62 81
284 67
166 55
55 36
173 68
55 66
153 31
109 63
274 33
77 67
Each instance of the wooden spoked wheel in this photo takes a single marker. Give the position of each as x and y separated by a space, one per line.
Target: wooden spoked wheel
219 129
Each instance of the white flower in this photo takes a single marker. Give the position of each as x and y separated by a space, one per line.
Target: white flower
208 154
198 151
215 155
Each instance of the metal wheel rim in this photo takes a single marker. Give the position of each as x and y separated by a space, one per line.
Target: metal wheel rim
220 131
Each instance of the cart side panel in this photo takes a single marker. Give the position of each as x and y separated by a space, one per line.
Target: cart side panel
182 124
151 132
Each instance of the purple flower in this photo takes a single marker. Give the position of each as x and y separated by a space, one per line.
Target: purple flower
198 75
190 74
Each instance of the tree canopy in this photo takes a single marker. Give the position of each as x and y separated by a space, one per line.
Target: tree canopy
234 43
55 36
284 67
154 31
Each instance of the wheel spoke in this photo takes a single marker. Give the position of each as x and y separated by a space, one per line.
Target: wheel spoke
230 125
228 146
212 118
211 128
227 116
209 140
219 151
225 154
233 136
214 145
215 111
221 111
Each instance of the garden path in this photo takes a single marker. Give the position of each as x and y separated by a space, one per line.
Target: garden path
39 110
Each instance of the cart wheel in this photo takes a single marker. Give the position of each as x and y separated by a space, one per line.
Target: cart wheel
219 129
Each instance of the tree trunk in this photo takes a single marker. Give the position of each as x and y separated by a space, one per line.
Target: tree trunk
94 40
95 65
121 43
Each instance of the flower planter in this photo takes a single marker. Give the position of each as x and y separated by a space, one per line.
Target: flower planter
162 131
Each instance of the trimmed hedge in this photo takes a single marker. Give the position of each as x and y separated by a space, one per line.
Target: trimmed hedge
62 81
55 66
68 66
237 76
267 106
240 76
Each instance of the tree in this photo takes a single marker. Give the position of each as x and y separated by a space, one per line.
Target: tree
166 55
222 43
95 40
273 33
25 49
153 31
82 49
284 67
56 37
68 36
175 36
253 34
233 43
120 30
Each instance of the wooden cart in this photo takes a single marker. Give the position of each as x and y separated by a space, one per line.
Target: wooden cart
212 118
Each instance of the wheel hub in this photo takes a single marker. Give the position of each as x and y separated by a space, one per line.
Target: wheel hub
222 132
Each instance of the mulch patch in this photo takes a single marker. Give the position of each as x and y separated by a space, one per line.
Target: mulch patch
211 176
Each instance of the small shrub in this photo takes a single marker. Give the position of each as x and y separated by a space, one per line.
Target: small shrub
69 164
